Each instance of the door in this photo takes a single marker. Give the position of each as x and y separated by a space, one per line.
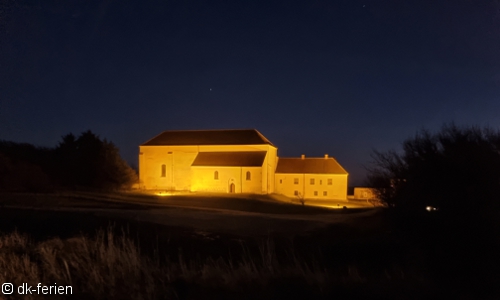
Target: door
232 188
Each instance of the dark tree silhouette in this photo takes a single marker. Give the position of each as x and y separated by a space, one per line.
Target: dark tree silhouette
456 169
113 171
89 162
23 167
86 162
65 161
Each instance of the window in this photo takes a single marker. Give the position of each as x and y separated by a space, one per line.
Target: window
249 175
320 182
296 193
281 181
312 181
163 170
315 193
325 193
216 175
329 181
295 181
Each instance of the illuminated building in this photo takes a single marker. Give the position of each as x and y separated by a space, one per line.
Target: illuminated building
234 161
312 178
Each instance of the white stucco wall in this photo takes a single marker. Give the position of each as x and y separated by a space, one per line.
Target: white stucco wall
203 179
285 184
178 161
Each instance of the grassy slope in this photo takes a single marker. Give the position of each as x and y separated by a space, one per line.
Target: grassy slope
246 216
269 204
355 256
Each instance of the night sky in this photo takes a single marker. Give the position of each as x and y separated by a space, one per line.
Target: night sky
336 77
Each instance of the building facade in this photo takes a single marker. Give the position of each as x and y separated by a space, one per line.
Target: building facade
365 193
311 178
234 161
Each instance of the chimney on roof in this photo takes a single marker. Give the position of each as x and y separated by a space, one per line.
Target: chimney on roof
303 156
326 156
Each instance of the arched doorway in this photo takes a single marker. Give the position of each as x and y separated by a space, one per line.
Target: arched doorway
232 188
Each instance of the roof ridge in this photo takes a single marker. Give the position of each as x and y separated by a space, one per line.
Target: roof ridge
233 151
263 137
220 129
315 157
209 137
310 165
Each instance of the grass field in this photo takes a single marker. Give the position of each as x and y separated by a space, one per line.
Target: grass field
248 216
123 246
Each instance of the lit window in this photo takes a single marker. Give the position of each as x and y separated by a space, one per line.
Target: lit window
329 181
216 175
312 181
249 176
325 193
315 193
295 181
296 193
163 170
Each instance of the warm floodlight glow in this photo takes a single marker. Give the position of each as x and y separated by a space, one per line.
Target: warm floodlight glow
431 208
163 194
233 161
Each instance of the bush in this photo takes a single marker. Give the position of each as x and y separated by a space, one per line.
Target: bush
86 162
456 170
22 176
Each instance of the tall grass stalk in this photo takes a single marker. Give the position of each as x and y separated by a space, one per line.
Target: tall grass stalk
110 266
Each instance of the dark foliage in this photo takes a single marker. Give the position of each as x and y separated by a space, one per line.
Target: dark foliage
86 161
20 175
456 170
23 167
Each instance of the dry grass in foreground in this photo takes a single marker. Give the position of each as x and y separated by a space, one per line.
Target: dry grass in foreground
111 266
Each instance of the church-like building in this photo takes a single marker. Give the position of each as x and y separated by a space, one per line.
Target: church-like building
235 161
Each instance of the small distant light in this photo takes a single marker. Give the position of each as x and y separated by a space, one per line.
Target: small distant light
431 208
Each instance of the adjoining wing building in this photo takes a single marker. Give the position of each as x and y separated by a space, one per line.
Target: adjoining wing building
235 161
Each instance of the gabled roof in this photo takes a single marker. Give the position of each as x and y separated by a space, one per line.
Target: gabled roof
230 159
309 166
208 137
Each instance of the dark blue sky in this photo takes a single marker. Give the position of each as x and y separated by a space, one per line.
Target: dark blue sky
336 77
